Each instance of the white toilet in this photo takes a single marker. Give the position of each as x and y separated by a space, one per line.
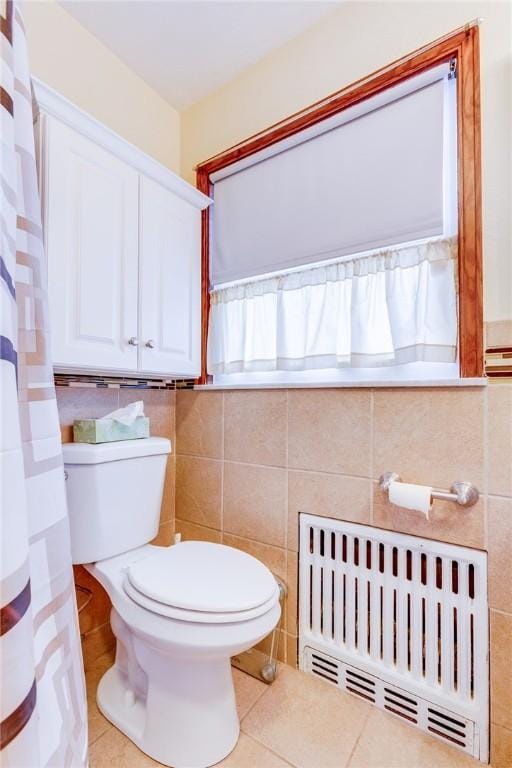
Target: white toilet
179 613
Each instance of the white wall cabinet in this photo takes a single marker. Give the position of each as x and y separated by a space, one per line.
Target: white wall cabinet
91 226
123 246
169 282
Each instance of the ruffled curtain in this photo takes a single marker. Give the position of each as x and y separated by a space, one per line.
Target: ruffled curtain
395 306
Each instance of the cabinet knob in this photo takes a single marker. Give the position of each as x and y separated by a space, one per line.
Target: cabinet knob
150 343
133 341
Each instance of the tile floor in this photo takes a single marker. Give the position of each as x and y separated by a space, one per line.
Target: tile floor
298 721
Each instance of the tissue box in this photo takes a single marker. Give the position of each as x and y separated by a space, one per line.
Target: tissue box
108 430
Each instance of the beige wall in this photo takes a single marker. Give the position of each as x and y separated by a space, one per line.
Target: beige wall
65 56
348 44
249 461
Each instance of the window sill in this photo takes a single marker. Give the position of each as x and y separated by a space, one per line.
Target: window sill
378 383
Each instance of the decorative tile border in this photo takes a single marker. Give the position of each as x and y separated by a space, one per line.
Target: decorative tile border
498 362
119 382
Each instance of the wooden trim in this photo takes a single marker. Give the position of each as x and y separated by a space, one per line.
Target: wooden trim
463 45
203 184
471 325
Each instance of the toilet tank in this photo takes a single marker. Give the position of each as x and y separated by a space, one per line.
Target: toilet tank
114 493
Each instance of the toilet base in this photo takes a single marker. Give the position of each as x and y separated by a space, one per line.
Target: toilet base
187 717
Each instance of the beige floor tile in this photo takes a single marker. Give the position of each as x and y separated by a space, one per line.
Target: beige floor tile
298 721
248 753
115 750
306 721
247 691
387 743
96 643
96 611
98 724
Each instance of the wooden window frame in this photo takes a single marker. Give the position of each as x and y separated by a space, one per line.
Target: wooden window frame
461 45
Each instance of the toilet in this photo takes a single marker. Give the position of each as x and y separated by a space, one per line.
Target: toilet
179 613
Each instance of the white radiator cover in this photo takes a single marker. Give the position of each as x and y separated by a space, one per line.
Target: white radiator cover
401 621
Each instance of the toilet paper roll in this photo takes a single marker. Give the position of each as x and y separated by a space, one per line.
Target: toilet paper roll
410 496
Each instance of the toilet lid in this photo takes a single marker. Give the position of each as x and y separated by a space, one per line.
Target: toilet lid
201 576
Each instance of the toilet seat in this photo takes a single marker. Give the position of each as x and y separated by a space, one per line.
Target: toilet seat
201 582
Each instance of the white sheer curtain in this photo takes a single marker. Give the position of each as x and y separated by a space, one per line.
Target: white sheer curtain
393 306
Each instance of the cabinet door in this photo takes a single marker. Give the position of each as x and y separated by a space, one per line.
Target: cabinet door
169 283
91 218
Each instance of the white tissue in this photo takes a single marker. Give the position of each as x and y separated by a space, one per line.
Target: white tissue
126 415
410 496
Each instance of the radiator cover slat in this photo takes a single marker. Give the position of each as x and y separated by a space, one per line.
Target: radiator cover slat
401 621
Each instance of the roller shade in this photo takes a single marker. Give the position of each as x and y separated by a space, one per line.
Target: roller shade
369 177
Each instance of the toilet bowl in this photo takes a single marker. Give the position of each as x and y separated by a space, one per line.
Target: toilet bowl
178 613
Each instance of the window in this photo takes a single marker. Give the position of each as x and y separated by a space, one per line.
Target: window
332 241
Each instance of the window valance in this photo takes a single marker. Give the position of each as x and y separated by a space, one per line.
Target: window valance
393 306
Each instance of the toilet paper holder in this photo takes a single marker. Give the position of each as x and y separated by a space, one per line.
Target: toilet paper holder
463 493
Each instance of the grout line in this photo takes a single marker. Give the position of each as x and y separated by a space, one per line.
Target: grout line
269 749
257 699
255 541
103 733
499 496
254 464
371 708
279 466
187 455
200 525
197 457
365 722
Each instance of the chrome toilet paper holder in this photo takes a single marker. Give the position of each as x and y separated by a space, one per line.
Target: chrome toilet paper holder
463 493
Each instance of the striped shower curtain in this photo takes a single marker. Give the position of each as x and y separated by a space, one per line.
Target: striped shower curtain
42 697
